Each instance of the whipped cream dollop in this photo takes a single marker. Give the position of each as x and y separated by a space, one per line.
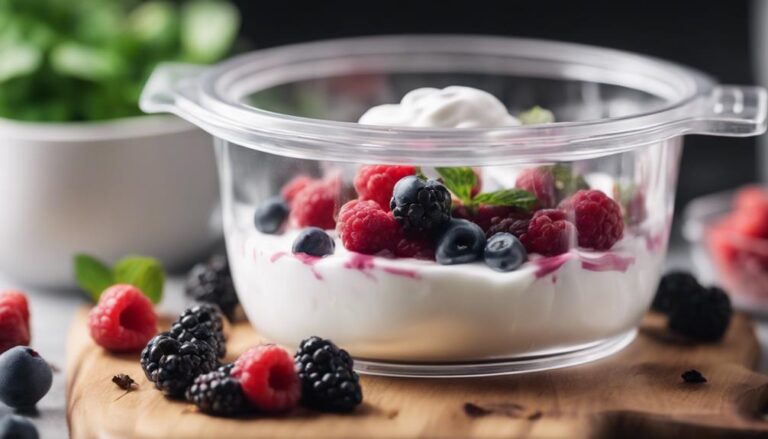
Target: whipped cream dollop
450 107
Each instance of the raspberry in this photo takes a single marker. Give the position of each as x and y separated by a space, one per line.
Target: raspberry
752 197
549 233
365 227
414 248
511 224
293 187
124 319
375 182
14 329
16 299
598 218
541 183
751 222
315 204
268 378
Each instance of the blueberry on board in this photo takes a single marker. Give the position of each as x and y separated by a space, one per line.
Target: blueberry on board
17 427
462 242
314 242
504 252
270 215
25 377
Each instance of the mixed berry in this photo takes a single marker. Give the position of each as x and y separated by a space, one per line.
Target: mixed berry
399 212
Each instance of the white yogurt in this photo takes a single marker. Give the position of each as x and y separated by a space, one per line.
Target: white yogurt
450 107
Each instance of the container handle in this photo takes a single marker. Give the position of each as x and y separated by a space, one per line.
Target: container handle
734 111
164 84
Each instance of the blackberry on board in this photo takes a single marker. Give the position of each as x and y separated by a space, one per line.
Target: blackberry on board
673 287
328 381
421 207
703 316
172 365
211 282
203 323
217 393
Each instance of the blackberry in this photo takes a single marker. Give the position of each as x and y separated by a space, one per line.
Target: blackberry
673 287
211 282
172 365
203 323
327 379
704 315
421 207
217 393
515 226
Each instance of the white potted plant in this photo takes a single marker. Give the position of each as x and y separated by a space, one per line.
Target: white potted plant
81 169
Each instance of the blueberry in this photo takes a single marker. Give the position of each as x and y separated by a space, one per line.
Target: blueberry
462 242
504 252
270 215
24 377
17 427
314 242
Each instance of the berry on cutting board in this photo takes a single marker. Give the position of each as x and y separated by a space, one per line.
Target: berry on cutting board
25 377
549 233
597 217
268 378
421 207
462 242
328 380
218 393
365 227
211 282
201 323
672 289
314 242
172 365
17 427
504 252
14 320
123 320
270 215
704 315
376 182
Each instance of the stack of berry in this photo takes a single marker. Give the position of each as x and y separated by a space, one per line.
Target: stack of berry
739 246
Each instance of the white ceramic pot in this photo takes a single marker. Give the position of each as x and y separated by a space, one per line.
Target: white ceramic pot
144 185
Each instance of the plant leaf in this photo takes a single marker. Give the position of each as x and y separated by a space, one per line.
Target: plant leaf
208 29
18 60
535 116
508 197
92 275
144 273
460 181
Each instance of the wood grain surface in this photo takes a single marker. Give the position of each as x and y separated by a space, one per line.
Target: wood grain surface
635 393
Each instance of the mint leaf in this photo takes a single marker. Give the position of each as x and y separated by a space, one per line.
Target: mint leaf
508 197
459 181
92 275
535 116
144 273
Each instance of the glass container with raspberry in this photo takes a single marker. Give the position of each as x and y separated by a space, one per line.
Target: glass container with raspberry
450 206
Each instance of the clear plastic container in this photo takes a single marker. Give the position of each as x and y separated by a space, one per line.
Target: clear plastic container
291 111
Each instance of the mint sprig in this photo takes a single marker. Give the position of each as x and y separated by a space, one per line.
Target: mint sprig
144 273
461 180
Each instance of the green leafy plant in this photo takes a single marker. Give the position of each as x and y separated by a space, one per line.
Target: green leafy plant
146 274
82 60
461 180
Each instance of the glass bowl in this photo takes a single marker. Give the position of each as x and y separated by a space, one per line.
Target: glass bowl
290 112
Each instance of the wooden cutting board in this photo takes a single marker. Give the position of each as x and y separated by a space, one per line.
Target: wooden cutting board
635 393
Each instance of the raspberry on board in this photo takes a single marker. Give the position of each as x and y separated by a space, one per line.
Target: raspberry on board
268 378
541 183
124 319
365 227
315 205
294 186
598 219
376 182
549 233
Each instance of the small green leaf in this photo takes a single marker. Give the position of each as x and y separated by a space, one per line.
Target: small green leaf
208 29
460 181
92 275
144 273
508 197
18 60
86 62
535 116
